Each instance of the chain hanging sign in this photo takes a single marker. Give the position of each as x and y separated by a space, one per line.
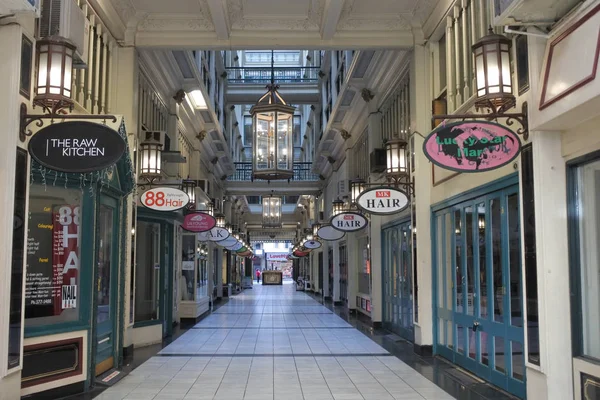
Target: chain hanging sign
472 146
164 199
77 147
198 222
349 222
382 201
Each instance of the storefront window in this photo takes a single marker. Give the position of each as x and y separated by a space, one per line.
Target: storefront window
586 196
202 284
147 271
53 256
188 267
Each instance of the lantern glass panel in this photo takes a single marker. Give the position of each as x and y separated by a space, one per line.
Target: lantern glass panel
480 67
506 76
265 140
493 69
284 136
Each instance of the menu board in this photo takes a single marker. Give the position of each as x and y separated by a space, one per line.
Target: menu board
52 260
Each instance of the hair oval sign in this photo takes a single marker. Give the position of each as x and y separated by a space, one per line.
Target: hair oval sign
77 147
312 244
349 222
230 241
164 199
472 146
326 232
198 222
382 201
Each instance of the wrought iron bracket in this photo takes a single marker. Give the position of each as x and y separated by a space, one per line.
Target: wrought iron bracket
38 119
493 115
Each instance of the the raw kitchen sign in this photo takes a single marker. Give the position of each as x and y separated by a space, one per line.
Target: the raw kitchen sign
349 222
472 146
165 199
198 222
77 146
382 201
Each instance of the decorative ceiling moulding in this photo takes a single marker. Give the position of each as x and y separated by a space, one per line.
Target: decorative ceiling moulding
310 21
174 22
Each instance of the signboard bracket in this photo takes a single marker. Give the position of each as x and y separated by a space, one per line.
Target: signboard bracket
493 115
27 119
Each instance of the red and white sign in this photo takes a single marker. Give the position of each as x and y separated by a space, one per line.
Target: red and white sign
277 256
349 222
198 222
382 201
164 199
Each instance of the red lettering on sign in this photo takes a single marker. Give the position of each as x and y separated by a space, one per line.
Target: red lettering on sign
382 193
348 217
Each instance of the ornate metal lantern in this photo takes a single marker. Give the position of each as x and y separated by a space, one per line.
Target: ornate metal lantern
220 220
55 70
395 150
271 211
189 187
492 66
357 186
150 157
337 207
272 123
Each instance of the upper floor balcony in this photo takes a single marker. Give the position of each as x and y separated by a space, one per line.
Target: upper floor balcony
302 172
262 75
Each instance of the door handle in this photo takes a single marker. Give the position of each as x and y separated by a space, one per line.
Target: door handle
476 326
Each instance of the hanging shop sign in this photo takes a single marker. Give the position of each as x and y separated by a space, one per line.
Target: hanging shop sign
77 146
349 222
244 249
165 199
216 234
276 256
326 232
244 254
312 244
227 242
472 146
235 247
382 201
198 222
299 253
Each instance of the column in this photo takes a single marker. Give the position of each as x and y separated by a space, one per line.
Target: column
550 193
325 283
374 128
335 297
124 101
354 266
421 122
10 44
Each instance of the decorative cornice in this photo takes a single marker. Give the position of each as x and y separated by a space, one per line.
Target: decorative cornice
201 135
345 134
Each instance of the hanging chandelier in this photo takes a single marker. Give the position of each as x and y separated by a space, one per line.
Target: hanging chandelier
271 212
272 124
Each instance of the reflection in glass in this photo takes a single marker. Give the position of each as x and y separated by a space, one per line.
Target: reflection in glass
499 289
147 271
105 221
472 343
500 362
514 243
460 336
470 278
459 262
188 267
448 268
518 360
483 292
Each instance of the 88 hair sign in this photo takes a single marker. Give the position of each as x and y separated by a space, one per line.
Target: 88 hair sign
65 256
164 199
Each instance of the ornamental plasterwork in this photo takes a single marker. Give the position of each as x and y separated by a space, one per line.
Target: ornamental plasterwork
125 9
350 21
176 22
310 23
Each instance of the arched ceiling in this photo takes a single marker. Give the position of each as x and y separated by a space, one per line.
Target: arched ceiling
247 24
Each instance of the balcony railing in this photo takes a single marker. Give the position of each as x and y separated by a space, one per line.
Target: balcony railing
302 172
262 75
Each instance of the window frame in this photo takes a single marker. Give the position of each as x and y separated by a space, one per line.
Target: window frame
574 242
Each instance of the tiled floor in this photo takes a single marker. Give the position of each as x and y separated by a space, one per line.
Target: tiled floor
272 342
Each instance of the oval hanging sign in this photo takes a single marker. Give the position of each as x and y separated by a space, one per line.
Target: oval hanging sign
164 199
79 146
235 247
326 232
244 249
312 244
349 222
216 234
299 253
382 201
198 222
227 242
472 146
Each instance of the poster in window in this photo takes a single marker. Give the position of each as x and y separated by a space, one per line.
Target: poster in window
52 260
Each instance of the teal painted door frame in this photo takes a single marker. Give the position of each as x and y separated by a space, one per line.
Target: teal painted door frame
106 335
397 279
477 288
